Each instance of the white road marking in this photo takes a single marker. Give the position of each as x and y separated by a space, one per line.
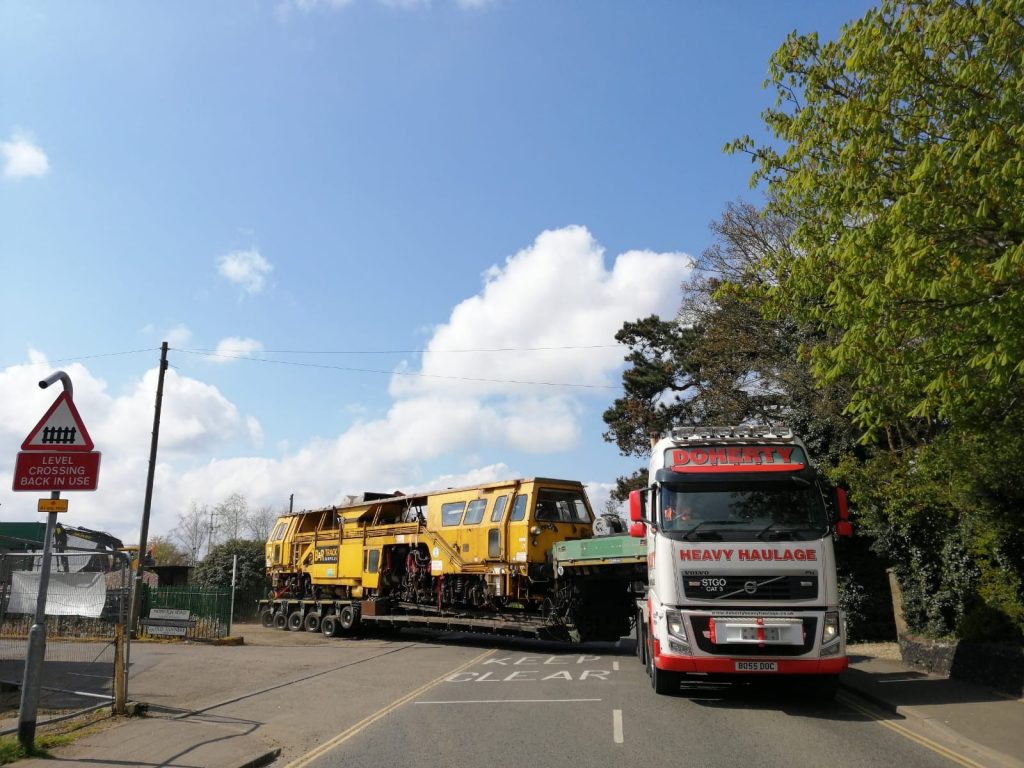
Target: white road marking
507 701
615 666
617 725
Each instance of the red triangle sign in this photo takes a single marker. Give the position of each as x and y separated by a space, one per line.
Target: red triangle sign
60 430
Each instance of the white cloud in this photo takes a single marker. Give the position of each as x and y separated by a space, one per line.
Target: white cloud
285 9
22 157
230 349
196 421
246 268
178 337
557 292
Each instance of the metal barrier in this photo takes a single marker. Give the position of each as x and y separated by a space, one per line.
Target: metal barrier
87 601
209 609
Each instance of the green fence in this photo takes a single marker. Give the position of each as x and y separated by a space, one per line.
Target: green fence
246 607
210 607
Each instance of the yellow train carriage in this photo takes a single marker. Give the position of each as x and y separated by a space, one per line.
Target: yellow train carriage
486 546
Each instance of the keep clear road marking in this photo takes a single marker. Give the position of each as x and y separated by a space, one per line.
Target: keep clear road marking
351 731
617 725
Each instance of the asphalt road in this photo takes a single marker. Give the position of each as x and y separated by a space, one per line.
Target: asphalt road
422 700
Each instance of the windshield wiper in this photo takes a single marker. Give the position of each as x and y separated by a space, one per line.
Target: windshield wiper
686 534
790 529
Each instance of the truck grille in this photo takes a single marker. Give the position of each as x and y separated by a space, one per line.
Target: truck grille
701 635
751 588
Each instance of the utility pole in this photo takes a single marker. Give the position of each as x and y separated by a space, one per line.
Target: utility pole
148 503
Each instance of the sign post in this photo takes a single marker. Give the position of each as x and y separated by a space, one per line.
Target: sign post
56 456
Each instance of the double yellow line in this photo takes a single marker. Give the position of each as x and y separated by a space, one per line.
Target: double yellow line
925 742
351 731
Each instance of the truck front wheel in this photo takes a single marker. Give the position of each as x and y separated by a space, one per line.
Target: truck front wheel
662 682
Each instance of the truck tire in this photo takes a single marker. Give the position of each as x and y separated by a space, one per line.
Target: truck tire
267 618
347 619
329 626
662 682
641 644
280 620
312 622
295 621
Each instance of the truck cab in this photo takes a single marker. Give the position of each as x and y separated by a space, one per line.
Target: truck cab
741 568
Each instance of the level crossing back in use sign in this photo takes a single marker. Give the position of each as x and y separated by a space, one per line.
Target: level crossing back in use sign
58 453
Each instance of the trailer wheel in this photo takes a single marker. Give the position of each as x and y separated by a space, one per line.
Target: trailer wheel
295 621
280 620
312 622
347 618
267 618
329 626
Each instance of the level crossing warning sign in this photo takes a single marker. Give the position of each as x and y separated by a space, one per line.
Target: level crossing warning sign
58 453
60 429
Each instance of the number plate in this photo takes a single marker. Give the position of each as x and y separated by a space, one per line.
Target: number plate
756 666
771 634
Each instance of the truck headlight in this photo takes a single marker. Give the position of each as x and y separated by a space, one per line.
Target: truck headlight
830 629
674 622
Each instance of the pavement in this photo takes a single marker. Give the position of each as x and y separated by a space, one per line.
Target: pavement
974 726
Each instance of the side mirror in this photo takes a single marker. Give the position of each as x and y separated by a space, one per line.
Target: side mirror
636 506
844 528
638 530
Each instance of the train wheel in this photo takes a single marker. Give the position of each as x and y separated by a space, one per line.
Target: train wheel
329 626
347 619
295 621
312 622
267 618
280 620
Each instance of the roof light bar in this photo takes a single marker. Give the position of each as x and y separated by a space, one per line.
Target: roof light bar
739 431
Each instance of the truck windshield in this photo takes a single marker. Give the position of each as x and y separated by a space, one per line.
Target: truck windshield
744 511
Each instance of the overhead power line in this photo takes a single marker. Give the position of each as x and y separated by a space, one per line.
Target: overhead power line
201 350
395 373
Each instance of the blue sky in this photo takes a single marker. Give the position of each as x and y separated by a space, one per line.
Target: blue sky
361 180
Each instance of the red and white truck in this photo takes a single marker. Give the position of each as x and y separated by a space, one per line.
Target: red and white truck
741 567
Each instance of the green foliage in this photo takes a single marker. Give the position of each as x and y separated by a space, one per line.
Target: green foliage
899 161
903 167
166 552
215 569
11 750
658 377
947 516
721 361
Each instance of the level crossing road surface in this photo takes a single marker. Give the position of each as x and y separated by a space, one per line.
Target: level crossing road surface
419 699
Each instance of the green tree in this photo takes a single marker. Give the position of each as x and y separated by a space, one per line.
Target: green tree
900 162
166 552
215 569
903 167
720 360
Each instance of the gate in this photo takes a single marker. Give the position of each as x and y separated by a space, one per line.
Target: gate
209 606
87 600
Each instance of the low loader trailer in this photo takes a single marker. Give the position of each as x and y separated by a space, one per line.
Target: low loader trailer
515 558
